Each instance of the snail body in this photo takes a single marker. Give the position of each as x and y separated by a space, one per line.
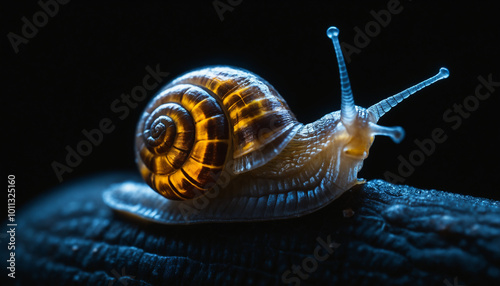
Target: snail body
220 144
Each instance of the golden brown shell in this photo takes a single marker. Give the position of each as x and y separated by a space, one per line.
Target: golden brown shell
205 118
292 169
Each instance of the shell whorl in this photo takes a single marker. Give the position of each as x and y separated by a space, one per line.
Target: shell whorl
261 122
202 120
182 142
281 168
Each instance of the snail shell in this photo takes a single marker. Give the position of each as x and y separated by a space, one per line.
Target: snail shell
219 144
203 119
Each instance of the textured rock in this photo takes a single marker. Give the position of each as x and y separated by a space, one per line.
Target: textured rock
375 234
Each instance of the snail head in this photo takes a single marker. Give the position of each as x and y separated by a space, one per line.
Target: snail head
360 123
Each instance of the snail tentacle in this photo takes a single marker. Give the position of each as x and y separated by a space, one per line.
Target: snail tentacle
220 144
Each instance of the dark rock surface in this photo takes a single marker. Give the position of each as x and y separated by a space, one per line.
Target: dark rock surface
375 234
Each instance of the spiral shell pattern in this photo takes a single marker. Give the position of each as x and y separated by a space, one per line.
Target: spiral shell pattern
261 122
205 118
182 142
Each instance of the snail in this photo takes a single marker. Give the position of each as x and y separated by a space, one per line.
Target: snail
219 144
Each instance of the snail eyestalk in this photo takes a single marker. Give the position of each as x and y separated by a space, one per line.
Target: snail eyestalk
396 133
347 107
381 108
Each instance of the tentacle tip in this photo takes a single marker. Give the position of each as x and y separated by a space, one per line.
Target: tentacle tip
332 32
444 72
398 134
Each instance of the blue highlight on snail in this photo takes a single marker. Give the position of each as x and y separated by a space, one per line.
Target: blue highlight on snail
349 110
239 153
347 107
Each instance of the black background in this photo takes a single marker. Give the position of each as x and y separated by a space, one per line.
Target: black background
65 78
